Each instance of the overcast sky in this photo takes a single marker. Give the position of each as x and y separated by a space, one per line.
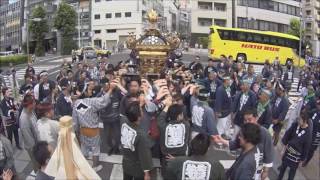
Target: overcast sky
12 1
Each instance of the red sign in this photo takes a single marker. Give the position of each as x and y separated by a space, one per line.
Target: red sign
260 47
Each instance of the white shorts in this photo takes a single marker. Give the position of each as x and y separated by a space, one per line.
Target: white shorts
223 125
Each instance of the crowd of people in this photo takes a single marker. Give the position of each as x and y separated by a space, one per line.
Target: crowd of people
175 116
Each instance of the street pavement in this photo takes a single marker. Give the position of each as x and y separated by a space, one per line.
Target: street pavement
112 168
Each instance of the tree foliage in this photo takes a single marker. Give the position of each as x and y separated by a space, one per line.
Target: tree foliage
294 28
38 26
65 21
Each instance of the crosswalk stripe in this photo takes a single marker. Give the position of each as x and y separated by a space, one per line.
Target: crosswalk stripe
21 72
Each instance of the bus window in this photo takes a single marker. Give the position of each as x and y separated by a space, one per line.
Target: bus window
241 36
273 40
224 35
250 37
257 38
288 43
211 31
295 44
220 32
266 39
281 42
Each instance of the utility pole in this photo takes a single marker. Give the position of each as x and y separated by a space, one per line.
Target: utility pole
79 30
177 5
300 38
81 17
233 4
27 29
247 13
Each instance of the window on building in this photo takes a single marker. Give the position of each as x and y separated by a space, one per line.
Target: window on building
220 6
308 25
242 22
254 4
283 8
275 6
205 5
118 15
97 31
242 2
97 0
220 22
283 28
111 30
273 27
318 12
308 12
97 16
127 14
263 25
108 15
204 21
266 4
253 24
291 10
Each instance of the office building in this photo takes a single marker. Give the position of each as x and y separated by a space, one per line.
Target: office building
311 19
50 7
11 19
112 21
266 15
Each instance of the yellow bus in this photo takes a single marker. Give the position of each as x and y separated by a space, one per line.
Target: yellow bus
253 46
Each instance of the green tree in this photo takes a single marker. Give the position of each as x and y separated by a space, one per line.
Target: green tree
65 21
38 26
294 28
204 41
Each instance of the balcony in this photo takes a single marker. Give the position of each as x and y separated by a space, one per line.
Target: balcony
317 4
308 29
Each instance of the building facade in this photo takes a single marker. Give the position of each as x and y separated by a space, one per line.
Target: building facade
11 19
50 7
4 3
83 27
266 15
205 13
112 21
311 19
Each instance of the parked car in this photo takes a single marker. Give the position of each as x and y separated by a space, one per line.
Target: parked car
88 51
